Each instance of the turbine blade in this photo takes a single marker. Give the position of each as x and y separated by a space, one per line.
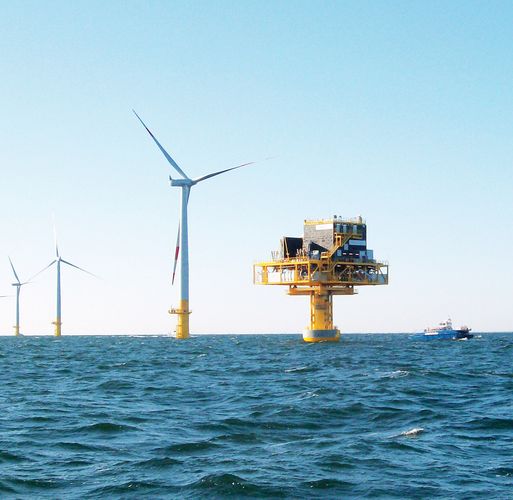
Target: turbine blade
14 270
79 268
164 152
55 236
177 252
208 176
44 269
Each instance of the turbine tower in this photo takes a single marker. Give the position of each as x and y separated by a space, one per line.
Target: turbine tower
18 286
182 243
58 260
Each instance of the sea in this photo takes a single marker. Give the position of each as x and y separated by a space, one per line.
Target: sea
256 416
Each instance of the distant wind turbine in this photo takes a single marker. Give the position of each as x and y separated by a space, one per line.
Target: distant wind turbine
182 244
18 284
58 260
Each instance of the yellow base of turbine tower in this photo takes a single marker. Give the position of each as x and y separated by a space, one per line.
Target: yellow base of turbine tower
330 259
58 325
16 331
182 326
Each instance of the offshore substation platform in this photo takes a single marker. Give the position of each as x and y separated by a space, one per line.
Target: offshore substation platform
331 258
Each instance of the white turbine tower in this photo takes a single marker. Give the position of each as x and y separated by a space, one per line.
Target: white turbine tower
58 260
18 286
185 183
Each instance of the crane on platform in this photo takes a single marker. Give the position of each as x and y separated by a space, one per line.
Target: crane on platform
330 259
182 242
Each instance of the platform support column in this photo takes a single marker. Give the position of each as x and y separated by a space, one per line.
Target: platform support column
321 310
321 318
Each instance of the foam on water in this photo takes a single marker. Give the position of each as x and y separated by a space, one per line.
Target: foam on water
412 432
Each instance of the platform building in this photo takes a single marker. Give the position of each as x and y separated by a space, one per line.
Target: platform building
331 258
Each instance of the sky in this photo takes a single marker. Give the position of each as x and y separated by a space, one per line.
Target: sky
398 111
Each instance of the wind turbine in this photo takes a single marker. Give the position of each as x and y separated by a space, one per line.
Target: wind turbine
58 260
18 286
185 183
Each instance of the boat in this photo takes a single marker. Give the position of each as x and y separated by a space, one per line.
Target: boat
445 331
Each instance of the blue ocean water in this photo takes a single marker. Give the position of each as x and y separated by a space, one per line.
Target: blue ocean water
256 416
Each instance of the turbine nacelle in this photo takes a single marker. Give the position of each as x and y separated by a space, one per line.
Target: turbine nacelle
181 182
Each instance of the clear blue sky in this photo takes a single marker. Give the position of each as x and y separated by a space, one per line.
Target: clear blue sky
399 111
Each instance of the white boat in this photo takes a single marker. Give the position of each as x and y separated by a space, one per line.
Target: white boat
445 331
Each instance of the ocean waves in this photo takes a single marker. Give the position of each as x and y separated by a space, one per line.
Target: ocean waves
254 416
